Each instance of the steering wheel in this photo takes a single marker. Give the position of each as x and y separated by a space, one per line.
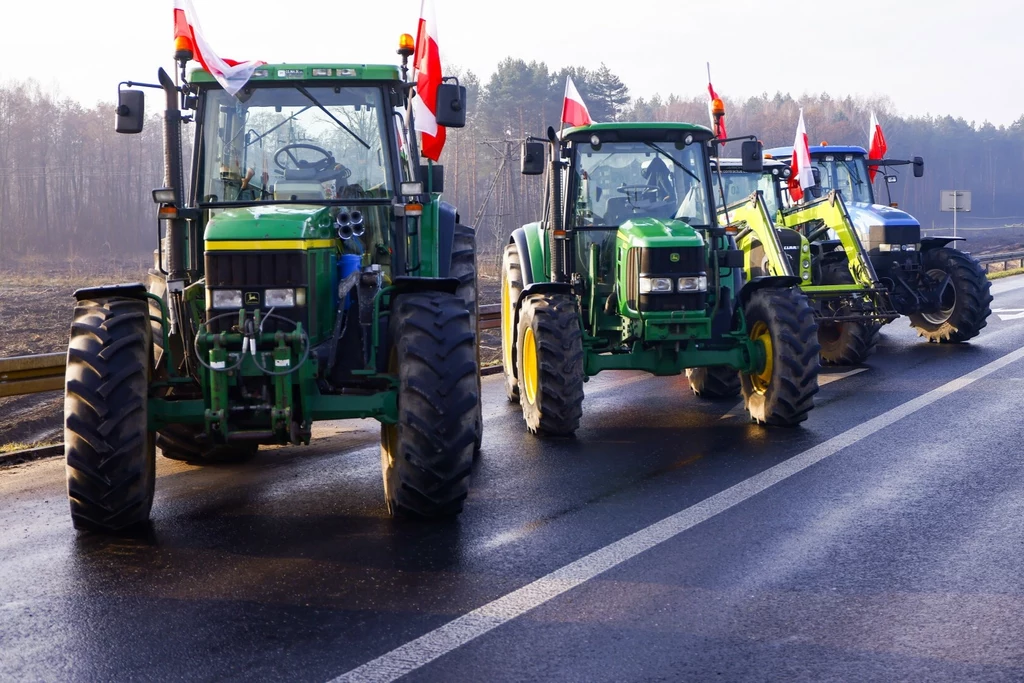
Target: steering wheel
820 232
638 192
319 165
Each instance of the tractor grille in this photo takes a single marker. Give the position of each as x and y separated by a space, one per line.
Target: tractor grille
658 262
254 272
791 241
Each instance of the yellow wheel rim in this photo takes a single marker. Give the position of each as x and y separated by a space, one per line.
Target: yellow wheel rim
506 325
759 333
530 372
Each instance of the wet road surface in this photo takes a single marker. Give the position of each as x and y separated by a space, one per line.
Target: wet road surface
897 555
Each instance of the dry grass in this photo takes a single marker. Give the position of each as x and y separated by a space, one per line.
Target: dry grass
1005 273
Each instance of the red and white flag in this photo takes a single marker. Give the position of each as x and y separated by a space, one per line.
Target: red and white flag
801 176
720 127
574 111
230 74
876 145
426 63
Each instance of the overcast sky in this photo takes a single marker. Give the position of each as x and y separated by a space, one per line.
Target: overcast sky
927 56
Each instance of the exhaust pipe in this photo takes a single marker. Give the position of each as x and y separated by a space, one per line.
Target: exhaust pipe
174 238
356 219
344 225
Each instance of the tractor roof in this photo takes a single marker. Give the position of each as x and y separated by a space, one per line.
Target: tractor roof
311 72
787 152
735 163
635 128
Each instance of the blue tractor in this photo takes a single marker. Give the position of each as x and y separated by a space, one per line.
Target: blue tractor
944 291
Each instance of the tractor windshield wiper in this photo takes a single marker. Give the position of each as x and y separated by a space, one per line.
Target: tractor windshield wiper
334 118
685 170
260 137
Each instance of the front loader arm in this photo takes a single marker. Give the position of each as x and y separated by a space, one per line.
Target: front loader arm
831 211
751 217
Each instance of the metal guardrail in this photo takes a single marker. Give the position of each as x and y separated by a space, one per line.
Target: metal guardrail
21 375
1004 258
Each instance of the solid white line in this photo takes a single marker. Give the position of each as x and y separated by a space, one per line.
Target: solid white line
430 646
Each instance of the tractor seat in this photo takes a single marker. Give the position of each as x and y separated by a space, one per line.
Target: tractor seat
287 189
618 211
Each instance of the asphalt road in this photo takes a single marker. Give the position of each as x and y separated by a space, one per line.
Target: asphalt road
671 540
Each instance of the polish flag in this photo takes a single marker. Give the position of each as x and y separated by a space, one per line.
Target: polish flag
426 63
230 74
574 112
876 146
720 129
801 176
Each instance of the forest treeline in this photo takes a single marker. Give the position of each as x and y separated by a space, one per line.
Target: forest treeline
70 186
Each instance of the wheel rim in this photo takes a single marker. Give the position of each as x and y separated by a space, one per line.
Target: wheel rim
943 314
529 371
759 333
506 325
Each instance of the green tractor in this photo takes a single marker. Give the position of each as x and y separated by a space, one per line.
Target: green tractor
308 270
815 242
630 270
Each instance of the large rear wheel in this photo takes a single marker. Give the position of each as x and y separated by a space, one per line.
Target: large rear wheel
464 269
964 307
550 364
511 288
782 392
715 382
427 455
111 461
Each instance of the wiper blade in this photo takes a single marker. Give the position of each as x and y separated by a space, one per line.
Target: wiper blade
260 137
685 170
334 118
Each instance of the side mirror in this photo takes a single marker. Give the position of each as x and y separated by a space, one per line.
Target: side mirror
451 105
918 167
891 179
434 173
752 156
531 157
131 111
816 172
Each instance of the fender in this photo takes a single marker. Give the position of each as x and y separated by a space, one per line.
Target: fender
767 282
530 242
929 243
406 284
543 288
132 290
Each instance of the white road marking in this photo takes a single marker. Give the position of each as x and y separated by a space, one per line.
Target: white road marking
739 411
428 647
1009 313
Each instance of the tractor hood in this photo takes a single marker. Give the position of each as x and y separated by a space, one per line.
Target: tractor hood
272 222
659 232
866 215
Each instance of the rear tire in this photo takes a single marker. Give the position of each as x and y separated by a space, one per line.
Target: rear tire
465 270
968 312
783 393
110 454
426 457
550 360
717 382
181 442
511 288
847 343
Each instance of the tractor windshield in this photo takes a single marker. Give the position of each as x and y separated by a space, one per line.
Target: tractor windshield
297 142
619 181
847 173
740 185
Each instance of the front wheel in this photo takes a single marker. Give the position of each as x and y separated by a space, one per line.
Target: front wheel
964 307
717 382
550 363
465 270
427 454
847 343
111 459
782 392
511 288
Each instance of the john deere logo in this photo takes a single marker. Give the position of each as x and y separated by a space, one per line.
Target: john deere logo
673 257
252 298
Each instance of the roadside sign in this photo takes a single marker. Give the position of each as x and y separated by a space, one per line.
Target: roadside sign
956 201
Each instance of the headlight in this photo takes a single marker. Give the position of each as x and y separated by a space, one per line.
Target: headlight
698 283
897 247
279 297
806 276
805 264
227 298
655 284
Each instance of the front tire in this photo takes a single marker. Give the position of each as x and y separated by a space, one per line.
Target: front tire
847 343
965 310
717 382
511 288
109 450
427 455
550 363
782 393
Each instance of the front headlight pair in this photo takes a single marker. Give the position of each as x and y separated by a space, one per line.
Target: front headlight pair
282 298
897 247
664 285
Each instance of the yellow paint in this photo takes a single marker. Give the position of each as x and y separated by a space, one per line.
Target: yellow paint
267 245
530 372
506 325
759 333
